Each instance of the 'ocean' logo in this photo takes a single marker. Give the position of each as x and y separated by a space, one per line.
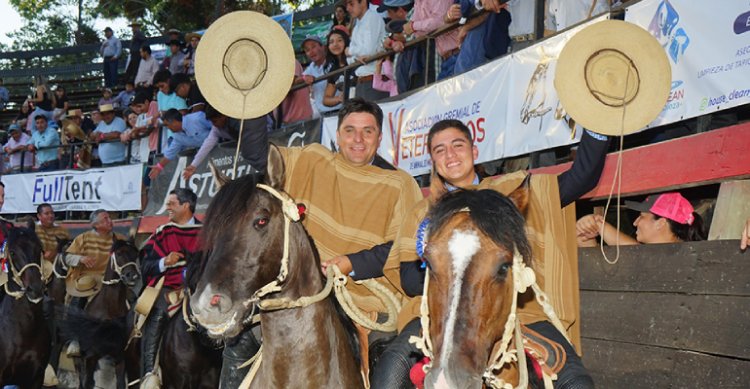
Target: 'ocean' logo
676 95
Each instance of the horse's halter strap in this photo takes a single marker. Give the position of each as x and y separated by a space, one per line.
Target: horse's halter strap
17 274
291 214
118 269
523 278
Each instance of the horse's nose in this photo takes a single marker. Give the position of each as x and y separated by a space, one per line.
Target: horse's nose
219 303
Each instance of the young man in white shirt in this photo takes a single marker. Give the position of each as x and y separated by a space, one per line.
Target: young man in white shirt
367 41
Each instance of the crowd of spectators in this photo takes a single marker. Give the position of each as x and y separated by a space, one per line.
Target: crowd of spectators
160 111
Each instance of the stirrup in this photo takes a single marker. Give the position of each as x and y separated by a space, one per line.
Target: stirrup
50 378
73 350
150 381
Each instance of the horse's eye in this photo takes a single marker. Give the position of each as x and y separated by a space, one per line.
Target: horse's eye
260 222
503 271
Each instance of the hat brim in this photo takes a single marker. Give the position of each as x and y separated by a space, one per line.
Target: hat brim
271 87
638 206
653 76
71 289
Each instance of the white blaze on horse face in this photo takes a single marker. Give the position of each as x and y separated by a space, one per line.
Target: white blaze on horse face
462 246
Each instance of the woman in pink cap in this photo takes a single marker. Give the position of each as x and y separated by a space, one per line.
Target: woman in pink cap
664 218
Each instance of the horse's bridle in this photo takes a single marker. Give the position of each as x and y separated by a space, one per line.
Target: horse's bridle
118 269
17 274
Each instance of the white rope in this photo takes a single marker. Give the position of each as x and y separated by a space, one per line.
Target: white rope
118 269
16 278
59 259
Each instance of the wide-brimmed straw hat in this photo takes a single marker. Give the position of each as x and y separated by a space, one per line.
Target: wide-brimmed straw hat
244 65
106 108
84 286
73 129
610 66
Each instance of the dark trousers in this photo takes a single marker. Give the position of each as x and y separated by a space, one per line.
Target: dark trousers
392 368
110 72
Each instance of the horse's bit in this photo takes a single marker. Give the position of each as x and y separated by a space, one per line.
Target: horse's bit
118 269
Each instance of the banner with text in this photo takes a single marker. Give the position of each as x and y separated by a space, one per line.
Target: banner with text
708 48
510 105
202 181
113 189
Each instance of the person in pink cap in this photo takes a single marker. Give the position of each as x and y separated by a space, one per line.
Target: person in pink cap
664 218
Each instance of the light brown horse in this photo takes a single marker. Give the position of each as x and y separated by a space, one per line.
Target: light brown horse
306 347
470 246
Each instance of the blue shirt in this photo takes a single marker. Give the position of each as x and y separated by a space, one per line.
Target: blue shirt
115 151
195 129
111 47
47 138
123 99
167 102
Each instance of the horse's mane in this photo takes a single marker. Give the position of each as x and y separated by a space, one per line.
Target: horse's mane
226 208
494 214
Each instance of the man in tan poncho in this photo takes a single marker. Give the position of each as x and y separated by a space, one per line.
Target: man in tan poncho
355 203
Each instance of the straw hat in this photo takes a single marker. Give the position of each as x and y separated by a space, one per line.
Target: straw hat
189 36
75 112
605 62
73 129
84 286
106 108
244 65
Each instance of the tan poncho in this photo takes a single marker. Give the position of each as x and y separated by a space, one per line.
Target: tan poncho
49 236
349 208
91 244
551 233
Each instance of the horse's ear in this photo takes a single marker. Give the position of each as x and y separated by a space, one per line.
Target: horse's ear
520 196
275 168
220 178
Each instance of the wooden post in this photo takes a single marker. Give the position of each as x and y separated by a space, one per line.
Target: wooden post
732 210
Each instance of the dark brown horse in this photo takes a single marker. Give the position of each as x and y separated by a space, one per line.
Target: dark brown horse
189 358
101 327
471 244
25 340
311 346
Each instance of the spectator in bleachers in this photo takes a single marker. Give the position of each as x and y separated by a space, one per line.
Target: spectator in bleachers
383 79
173 63
61 103
340 17
296 106
147 68
429 15
44 102
123 98
409 64
167 98
108 130
107 98
318 66
110 51
485 37
42 142
143 136
561 14
367 40
190 131
4 95
16 148
338 41
23 114
189 61
521 29
134 57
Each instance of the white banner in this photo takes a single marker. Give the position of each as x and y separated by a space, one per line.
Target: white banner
510 105
709 49
113 189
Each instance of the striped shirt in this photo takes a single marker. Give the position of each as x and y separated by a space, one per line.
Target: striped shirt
50 235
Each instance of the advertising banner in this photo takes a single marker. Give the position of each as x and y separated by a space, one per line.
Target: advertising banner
222 156
708 48
113 189
510 105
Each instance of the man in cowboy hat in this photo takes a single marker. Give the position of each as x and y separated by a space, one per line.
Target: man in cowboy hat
107 134
164 257
134 56
87 257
